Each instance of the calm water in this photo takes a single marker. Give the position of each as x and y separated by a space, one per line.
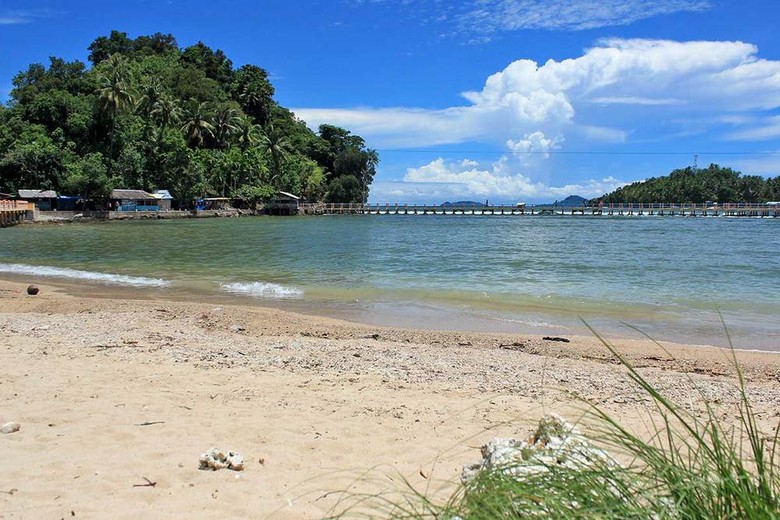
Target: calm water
666 275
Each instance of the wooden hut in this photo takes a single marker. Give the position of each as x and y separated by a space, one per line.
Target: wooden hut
284 204
164 199
44 200
134 200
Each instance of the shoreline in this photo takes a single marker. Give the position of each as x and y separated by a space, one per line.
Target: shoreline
315 405
396 311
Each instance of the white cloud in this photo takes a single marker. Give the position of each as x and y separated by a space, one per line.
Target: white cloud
569 15
767 129
634 100
485 17
440 180
768 164
533 146
22 17
639 82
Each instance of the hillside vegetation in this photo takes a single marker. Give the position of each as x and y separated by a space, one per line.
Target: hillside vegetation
148 114
715 183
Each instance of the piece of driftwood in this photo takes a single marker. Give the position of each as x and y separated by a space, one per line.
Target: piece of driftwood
149 483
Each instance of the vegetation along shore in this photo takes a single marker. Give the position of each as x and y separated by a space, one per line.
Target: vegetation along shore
150 115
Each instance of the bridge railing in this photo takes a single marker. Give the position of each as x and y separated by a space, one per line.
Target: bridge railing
15 205
664 207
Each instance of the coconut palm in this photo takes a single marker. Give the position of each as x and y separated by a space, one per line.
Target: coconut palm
149 96
277 146
166 112
225 122
197 126
114 92
247 132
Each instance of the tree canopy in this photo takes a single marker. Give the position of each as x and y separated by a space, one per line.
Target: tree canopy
714 183
149 114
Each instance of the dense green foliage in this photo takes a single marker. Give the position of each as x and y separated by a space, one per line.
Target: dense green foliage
715 183
150 115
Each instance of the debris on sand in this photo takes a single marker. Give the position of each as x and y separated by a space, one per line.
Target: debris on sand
216 458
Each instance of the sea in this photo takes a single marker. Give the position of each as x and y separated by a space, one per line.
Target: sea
710 281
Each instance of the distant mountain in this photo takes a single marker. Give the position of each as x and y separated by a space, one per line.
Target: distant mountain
572 200
463 204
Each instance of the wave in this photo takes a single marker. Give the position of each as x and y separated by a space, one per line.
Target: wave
76 274
262 290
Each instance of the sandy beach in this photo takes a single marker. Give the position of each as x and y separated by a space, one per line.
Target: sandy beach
115 394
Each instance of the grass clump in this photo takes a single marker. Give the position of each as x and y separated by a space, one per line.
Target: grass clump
694 466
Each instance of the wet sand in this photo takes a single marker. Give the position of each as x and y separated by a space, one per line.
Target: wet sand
112 392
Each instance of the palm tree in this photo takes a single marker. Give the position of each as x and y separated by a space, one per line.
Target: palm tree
166 112
197 126
115 93
149 96
144 106
277 146
225 122
247 132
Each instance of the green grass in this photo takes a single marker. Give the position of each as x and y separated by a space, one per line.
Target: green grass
694 466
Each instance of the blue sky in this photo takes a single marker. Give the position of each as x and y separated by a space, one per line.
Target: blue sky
504 100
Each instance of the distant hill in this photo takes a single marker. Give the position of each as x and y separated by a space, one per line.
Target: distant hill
714 183
572 200
463 204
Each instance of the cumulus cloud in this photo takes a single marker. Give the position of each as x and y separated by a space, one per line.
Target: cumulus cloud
440 180
595 96
533 144
491 16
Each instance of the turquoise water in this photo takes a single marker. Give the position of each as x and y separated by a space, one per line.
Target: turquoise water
524 274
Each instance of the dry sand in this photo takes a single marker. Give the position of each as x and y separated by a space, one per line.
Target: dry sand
110 393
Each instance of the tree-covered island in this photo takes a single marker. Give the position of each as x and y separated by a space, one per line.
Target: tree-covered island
712 184
149 115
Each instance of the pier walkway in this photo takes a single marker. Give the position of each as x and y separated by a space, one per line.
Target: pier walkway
656 209
14 211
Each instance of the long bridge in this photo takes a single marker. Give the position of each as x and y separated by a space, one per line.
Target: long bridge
14 211
637 209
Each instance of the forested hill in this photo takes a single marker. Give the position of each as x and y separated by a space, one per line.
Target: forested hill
148 114
714 183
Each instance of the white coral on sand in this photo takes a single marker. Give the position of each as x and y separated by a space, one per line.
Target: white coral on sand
555 442
216 458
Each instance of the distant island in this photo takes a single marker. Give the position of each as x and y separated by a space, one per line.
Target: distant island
572 201
714 184
150 115
463 204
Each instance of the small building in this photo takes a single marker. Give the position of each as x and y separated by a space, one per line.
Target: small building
133 200
44 200
213 204
284 204
164 199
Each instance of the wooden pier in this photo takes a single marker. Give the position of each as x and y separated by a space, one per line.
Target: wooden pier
646 209
14 211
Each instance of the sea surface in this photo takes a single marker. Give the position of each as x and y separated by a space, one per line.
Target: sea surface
671 277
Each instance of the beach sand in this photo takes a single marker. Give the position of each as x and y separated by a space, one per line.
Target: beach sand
112 392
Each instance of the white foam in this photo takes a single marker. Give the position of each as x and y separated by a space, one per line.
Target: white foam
76 274
262 290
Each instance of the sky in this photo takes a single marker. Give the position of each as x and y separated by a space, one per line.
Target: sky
499 100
